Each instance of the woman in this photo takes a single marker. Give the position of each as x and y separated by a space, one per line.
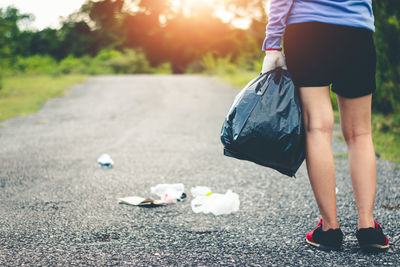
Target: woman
330 42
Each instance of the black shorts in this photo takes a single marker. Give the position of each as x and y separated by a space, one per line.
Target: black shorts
320 54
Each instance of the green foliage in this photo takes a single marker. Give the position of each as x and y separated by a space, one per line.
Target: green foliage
218 65
340 155
257 64
333 99
115 62
387 41
129 62
9 18
35 64
105 62
237 73
107 54
73 65
9 31
386 132
163 68
107 25
45 42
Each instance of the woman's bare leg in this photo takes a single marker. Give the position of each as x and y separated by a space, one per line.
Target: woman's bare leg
318 122
355 117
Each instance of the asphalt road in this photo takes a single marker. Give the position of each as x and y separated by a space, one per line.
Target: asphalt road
57 207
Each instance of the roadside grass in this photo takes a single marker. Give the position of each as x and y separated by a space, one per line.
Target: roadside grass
338 136
385 129
340 155
25 94
386 133
239 79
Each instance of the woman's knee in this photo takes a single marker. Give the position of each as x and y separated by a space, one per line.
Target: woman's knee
317 109
321 124
354 134
355 117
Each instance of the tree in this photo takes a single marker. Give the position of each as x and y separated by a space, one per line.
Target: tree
107 16
45 42
76 38
9 37
387 41
9 31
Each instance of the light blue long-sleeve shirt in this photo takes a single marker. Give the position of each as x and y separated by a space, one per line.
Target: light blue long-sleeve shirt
354 13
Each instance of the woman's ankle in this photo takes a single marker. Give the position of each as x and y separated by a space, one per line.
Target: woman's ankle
332 224
366 222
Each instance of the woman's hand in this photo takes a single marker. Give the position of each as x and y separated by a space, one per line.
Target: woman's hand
272 60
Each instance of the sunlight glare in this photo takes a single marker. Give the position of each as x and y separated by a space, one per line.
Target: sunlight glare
220 11
183 3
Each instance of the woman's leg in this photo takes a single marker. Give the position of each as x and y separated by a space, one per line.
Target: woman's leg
318 122
355 117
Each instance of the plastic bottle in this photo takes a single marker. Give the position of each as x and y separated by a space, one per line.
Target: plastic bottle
169 193
105 161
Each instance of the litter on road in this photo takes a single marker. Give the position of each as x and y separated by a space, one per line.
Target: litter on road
170 193
218 204
140 201
204 199
105 161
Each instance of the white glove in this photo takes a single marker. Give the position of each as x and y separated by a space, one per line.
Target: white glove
272 60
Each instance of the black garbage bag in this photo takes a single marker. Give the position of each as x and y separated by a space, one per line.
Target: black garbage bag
264 124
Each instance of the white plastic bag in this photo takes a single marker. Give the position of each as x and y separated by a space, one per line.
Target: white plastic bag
217 204
200 191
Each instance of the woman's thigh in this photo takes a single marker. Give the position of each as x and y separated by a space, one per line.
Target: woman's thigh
318 54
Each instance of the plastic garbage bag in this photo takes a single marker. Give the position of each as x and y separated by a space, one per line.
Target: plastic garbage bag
217 204
264 124
105 161
170 193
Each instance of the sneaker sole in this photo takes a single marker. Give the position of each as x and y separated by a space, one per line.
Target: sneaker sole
374 248
322 247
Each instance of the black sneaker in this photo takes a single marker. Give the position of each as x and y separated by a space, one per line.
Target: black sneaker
372 239
325 240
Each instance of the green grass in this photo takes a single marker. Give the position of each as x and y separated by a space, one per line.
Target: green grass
386 136
239 79
386 133
340 155
339 136
385 129
25 94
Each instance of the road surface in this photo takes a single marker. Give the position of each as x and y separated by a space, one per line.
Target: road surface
57 207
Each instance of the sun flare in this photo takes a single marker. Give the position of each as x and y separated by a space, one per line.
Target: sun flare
219 10
184 3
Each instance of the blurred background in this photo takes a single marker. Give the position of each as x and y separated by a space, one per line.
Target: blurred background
135 36
41 53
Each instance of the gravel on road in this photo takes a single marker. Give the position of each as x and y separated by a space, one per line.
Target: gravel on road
58 207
